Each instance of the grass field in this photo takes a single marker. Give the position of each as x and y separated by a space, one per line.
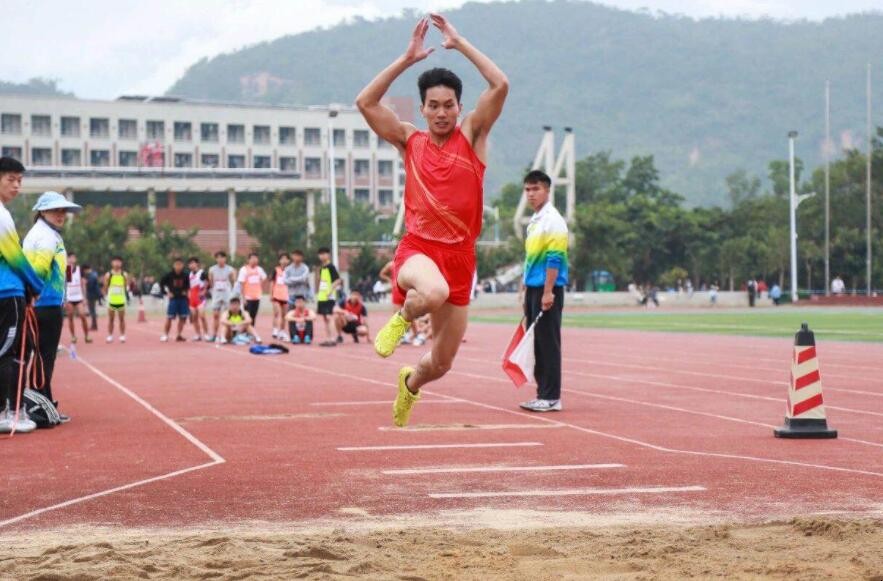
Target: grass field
827 323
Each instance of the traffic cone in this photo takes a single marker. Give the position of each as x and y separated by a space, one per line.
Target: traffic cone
805 414
142 316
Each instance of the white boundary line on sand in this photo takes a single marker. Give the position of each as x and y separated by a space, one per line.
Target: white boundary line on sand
483 469
572 492
378 402
466 427
215 457
438 446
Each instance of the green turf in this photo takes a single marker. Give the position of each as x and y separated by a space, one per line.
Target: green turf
827 323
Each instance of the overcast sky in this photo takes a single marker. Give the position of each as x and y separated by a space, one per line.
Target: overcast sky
105 48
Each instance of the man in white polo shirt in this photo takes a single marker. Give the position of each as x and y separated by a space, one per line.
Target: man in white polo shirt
545 276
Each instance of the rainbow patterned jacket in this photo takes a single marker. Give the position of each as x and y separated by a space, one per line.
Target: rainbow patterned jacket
15 270
545 247
45 251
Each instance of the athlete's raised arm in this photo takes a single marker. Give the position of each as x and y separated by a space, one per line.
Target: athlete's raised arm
381 118
477 124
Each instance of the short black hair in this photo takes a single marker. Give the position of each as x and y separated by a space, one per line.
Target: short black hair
323 250
298 252
86 266
439 77
300 298
281 254
220 253
116 257
194 259
178 259
255 254
11 165
234 300
538 177
69 254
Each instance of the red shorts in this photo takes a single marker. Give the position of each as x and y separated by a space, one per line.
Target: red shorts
196 299
456 263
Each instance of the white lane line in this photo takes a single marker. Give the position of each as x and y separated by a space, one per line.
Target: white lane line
439 446
216 458
467 427
573 492
378 402
482 469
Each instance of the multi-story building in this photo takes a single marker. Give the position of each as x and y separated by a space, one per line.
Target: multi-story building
191 163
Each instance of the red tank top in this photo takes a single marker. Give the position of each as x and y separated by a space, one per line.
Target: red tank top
443 189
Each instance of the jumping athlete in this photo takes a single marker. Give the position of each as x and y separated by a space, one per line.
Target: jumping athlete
444 171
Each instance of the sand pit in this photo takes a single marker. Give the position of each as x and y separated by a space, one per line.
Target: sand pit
801 548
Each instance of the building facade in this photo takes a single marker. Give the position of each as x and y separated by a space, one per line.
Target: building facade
190 162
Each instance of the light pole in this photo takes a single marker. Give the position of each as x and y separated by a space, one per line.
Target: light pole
827 188
793 201
332 185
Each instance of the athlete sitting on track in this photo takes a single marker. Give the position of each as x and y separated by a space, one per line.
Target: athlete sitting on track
236 321
444 170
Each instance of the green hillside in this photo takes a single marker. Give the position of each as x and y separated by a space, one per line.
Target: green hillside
704 97
32 87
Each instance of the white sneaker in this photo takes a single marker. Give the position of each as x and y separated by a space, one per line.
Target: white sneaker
109 339
207 338
197 338
257 339
24 424
122 338
222 340
164 339
419 340
6 421
275 333
542 405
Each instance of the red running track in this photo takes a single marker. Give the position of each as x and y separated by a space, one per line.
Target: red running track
190 434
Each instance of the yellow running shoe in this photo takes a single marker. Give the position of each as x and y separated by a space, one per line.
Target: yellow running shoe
405 400
388 337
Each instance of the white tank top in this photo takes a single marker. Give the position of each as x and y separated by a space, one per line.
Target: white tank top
74 286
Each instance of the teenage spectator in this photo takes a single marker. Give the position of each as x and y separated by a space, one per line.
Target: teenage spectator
221 278
176 285
279 295
75 292
712 293
17 281
351 318
236 321
251 282
93 294
44 248
752 291
196 296
300 321
115 288
776 294
328 282
297 278
837 286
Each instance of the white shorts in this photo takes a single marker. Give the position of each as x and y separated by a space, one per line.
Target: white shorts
220 302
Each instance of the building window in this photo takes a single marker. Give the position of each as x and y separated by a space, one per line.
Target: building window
263 162
13 152
362 168
287 136
183 131
41 156
41 125
127 159
361 138
288 163
339 167
99 127
183 160
10 124
383 144
236 161
71 157
313 167
70 126
210 160
209 133
386 197
156 130
362 195
340 138
127 129
236 133
312 136
384 168
262 134
100 158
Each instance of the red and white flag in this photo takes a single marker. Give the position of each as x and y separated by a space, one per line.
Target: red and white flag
519 358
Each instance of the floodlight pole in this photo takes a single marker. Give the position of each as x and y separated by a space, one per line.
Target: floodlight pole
332 186
827 188
792 198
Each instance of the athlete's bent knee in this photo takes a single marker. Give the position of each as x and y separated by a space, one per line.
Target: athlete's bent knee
436 296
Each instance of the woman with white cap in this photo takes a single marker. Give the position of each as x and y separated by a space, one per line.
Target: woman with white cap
45 251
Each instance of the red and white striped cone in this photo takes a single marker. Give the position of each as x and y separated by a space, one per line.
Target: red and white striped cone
142 316
805 415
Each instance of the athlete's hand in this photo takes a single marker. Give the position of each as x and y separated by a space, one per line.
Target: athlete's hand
416 52
548 300
451 36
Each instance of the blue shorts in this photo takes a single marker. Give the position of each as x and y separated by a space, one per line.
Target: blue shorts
178 307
